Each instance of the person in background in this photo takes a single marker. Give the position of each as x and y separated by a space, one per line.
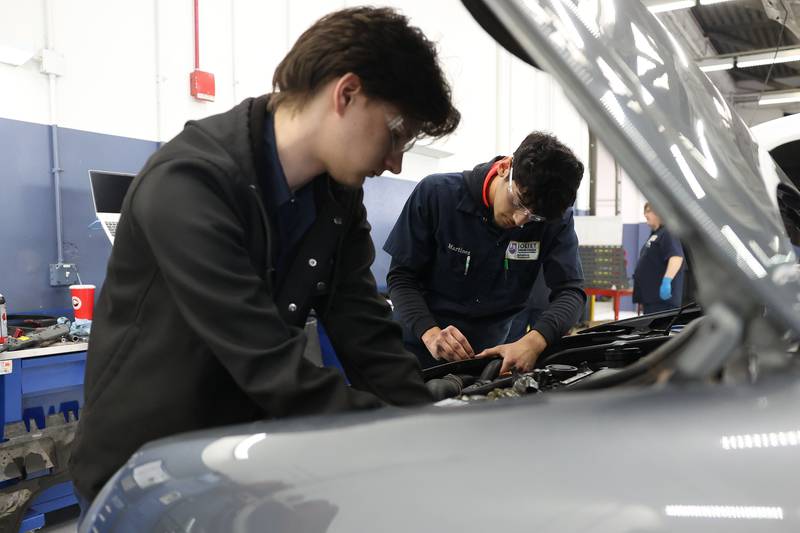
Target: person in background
239 226
469 245
658 278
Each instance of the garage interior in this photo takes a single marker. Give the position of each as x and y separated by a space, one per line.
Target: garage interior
93 90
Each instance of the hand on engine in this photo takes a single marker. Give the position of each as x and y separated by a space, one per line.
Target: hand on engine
448 344
520 355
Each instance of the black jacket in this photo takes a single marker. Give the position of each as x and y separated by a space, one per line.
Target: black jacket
190 330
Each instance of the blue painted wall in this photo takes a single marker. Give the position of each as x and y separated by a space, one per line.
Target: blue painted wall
633 238
27 211
27 208
384 198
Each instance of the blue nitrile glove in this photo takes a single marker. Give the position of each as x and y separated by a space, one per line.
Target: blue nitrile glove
665 292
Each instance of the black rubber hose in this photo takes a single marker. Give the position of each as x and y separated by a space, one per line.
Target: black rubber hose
449 386
491 371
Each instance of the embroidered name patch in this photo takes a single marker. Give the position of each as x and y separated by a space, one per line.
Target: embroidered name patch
457 249
523 250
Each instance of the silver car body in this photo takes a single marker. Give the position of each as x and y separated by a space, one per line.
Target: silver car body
706 454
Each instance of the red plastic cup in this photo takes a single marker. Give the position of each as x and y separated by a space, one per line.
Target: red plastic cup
82 301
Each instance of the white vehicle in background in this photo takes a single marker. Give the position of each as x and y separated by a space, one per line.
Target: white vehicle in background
778 132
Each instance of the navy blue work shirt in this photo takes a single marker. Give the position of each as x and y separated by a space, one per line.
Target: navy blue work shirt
467 267
652 265
294 213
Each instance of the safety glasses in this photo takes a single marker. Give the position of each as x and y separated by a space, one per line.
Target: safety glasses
516 201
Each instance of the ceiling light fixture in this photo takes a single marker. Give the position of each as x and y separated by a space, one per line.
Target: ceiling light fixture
670 5
767 57
662 6
715 64
755 58
779 97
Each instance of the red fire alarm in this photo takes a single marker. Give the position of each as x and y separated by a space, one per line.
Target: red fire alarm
201 85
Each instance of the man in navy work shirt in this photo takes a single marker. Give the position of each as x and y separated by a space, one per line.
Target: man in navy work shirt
468 246
241 225
658 279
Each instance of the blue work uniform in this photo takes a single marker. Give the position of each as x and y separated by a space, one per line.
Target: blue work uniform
650 270
471 273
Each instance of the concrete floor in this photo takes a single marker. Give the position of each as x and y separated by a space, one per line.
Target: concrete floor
605 311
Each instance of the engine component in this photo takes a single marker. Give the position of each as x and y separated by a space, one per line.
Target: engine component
497 394
449 386
620 355
561 372
491 371
445 387
484 387
526 384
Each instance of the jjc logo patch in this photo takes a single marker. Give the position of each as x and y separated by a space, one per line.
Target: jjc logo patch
523 250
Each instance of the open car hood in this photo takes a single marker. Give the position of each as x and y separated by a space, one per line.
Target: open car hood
674 134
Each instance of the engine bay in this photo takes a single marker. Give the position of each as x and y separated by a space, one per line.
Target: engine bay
597 357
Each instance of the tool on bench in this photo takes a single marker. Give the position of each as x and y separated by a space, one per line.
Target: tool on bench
39 337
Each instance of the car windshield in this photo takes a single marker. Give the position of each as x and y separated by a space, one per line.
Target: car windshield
674 134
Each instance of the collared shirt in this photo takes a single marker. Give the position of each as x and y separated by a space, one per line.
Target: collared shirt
291 213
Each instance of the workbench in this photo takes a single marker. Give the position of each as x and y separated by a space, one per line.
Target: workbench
615 294
42 392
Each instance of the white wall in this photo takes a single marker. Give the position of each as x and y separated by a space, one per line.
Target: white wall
631 200
127 66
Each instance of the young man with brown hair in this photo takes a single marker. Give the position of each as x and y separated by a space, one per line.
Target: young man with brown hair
238 227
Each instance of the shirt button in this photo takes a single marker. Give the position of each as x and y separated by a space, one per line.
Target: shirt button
337 221
292 308
292 200
321 286
477 300
312 262
253 187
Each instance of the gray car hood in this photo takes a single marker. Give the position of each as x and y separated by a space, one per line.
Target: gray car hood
632 461
677 138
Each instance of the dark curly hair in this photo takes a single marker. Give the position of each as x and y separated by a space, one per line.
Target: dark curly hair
547 174
395 61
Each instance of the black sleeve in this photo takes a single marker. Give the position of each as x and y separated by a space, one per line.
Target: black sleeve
359 321
198 242
566 307
564 276
406 295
